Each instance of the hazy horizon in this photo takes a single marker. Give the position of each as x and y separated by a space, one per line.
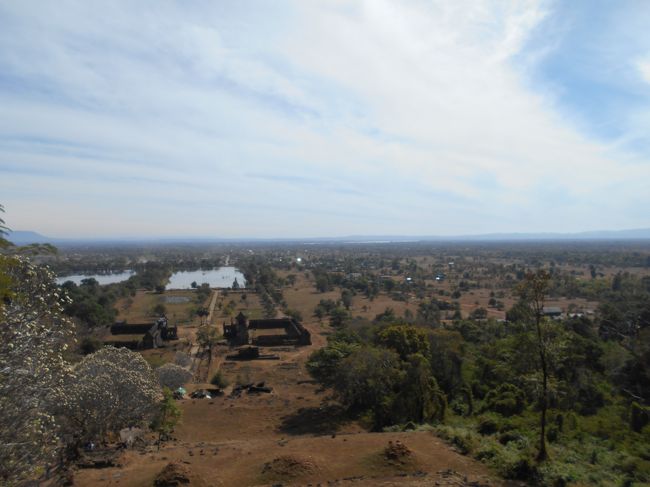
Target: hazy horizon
323 119
24 237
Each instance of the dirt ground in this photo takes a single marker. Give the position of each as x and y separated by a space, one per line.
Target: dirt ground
295 435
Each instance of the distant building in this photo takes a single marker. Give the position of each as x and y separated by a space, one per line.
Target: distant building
268 332
552 311
237 333
153 335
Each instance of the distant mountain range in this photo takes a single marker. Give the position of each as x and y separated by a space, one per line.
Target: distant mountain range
27 237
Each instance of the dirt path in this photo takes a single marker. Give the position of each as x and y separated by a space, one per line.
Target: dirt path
213 302
201 362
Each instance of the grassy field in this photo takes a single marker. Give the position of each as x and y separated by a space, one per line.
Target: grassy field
180 307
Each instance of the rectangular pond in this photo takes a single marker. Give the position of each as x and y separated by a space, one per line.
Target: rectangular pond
102 279
220 277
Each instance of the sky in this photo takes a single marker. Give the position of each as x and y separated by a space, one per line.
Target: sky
324 118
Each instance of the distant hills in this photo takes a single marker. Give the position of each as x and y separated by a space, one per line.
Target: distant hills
27 237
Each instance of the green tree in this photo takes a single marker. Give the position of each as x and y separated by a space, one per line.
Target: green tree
338 317
368 380
346 298
202 312
293 313
420 399
478 314
319 312
324 364
322 282
405 340
207 336
167 416
429 313
532 291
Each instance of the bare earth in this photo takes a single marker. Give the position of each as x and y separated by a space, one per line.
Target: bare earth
295 435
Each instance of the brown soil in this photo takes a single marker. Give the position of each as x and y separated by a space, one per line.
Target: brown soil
295 435
175 475
397 453
288 467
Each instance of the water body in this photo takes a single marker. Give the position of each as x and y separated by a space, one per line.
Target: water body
176 299
220 277
100 278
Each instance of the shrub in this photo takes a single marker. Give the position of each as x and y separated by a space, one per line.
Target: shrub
219 380
487 426
90 345
509 436
464 443
507 400
479 390
639 416
522 468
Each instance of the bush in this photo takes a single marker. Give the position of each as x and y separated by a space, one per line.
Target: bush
507 400
487 426
90 345
639 416
293 313
521 469
509 436
635 468
463 443
219 380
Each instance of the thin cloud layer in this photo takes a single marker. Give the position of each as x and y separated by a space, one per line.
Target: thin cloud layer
255 119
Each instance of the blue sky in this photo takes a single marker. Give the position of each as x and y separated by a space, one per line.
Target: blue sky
324 118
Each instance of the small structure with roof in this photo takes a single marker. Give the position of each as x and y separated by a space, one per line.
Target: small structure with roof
554 312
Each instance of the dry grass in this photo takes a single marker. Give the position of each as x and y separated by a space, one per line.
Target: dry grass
139 308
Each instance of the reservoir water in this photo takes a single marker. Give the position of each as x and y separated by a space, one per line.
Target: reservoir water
220 277
100 278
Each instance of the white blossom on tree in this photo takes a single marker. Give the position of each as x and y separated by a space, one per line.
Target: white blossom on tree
173 376
34 336
109 390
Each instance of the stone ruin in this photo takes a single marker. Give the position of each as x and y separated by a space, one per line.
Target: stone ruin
237 332
151 335
266 332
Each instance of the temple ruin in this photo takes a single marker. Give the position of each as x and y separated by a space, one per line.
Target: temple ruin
266 333
154 335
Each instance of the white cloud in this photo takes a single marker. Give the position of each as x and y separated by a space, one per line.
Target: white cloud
371 117
644 69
